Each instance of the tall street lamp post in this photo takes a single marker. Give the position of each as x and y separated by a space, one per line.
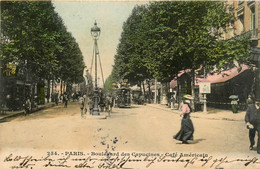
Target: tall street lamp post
95 32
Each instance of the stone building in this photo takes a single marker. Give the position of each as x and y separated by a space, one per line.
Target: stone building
247 22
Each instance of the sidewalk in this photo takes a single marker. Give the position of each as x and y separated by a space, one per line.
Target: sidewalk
213 114
12 114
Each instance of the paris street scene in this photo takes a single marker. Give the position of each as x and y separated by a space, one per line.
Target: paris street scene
129 84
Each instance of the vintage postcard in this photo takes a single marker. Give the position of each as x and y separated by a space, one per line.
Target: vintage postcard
129 84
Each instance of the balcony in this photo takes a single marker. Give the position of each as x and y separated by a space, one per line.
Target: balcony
240 3
240 8
250 3
253 34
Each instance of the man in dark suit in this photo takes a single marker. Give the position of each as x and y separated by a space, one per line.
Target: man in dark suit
252 120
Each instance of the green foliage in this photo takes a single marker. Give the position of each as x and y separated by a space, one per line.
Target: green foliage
38 36
129 59
42 95
162 38
226 51
109 83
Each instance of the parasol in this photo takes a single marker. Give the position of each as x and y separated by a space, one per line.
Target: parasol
233 97
187 96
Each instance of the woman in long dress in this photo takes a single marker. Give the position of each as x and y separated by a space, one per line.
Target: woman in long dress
187 129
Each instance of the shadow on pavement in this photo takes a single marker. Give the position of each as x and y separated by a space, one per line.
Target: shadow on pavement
195 141
128 107
11 117
254 148
3 120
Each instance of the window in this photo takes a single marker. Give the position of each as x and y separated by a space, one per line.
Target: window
240 27
253 18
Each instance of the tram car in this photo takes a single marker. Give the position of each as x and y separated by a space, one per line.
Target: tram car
123 97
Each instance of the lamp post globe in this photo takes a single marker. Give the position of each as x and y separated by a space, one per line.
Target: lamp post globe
95 32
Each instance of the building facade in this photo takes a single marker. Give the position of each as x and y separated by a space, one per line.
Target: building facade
247 22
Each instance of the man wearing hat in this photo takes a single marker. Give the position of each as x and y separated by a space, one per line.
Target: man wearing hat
252 120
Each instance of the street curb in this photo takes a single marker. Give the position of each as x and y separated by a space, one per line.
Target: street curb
7 118
194 115
98 117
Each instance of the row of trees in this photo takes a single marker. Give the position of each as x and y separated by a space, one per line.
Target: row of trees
36 35
161 38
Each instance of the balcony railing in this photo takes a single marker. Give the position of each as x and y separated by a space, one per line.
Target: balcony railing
253 34
240 8
240 2
250 2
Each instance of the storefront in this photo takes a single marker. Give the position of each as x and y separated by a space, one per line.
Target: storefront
236 81
16 86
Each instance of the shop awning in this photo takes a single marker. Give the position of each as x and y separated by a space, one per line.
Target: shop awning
223 76
173 82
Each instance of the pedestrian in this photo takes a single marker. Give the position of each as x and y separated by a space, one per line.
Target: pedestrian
81 101
27 107
61 98
249 100
187 129
252 119
56 98
109 104
86 106
234 105
74 97
65 100
91 105
52 97
172 100
102 102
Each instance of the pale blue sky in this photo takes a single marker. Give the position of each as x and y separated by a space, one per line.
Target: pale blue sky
79 17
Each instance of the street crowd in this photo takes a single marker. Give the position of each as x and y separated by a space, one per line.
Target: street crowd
252 117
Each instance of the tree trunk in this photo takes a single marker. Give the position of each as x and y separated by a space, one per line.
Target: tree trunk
140 83
193 89
143 89
60 87
52 87
48 90
179 97
65 87
166 91
149 95
155 91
